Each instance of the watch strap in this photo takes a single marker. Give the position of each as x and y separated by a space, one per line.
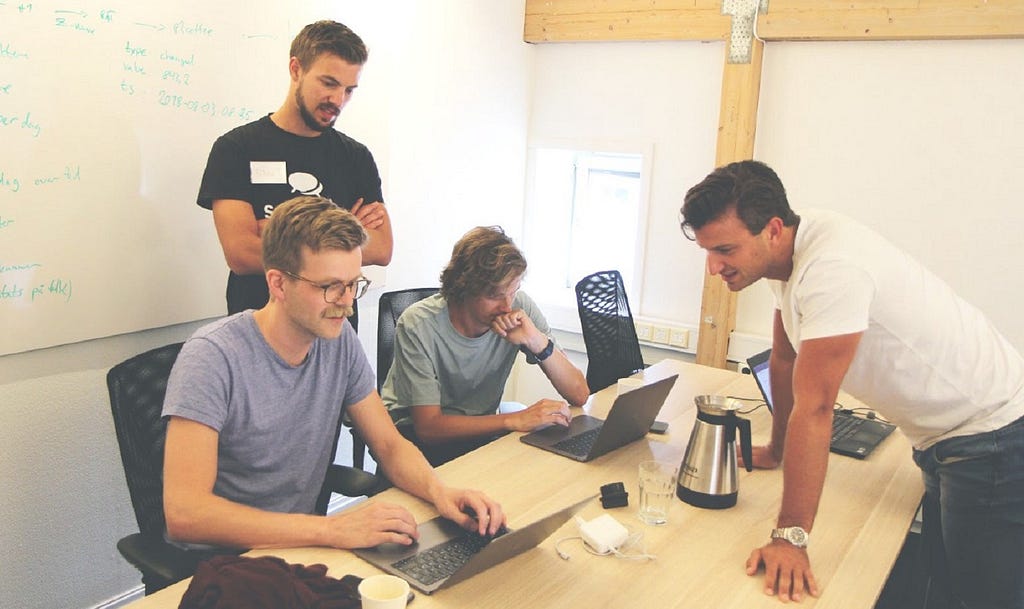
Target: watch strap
536 358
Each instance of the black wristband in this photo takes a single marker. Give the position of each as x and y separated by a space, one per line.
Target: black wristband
536 358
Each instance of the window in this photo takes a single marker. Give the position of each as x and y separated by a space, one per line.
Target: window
585 212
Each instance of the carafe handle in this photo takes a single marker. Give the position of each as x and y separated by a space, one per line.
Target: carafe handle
745 443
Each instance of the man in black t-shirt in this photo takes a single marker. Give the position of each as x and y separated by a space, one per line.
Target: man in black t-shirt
294 151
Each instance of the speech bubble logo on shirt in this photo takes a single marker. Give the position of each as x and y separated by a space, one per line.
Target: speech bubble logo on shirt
305 183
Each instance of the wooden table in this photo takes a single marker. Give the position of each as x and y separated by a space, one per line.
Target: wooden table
865 513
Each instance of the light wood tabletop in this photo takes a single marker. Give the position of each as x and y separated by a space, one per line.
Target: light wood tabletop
865 513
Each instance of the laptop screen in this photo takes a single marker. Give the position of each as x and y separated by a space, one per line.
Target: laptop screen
759 368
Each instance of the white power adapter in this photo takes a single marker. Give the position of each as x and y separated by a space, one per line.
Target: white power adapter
603 534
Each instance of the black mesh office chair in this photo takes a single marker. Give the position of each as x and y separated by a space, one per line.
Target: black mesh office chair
389 309
613 350
137 388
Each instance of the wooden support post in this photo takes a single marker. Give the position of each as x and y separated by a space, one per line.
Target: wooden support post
737 124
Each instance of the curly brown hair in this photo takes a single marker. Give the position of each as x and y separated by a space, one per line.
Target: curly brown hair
483 260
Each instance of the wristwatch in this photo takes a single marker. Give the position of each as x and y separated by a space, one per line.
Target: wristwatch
794 535
536 358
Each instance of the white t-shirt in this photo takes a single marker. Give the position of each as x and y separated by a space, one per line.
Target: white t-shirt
928 361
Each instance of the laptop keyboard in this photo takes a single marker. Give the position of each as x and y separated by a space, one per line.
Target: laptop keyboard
844 426
579 445
442 560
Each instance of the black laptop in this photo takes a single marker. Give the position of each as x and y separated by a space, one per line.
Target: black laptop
588 437
446 553
852 435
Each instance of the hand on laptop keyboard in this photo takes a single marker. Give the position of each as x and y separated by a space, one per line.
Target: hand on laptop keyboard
462 507
502 529
540 414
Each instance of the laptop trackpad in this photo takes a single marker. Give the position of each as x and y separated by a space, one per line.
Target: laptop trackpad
579 424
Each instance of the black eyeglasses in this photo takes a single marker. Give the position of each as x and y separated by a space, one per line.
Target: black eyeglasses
333 292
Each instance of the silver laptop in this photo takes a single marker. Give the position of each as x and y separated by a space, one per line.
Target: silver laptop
446 554
587 437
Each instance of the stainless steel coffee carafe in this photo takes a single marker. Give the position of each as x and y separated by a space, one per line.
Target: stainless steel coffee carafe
708 474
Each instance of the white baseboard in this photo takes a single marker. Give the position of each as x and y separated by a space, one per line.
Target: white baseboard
124 599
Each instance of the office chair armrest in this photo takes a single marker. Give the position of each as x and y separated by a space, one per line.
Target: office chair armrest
354 482
160 562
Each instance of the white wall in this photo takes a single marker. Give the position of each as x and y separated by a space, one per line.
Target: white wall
445 104
920 140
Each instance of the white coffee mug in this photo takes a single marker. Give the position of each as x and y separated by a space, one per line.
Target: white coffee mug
384 592
628 384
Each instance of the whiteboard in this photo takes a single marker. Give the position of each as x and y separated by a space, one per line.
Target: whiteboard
107 114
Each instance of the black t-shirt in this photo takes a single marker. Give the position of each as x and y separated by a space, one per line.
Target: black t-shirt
264 165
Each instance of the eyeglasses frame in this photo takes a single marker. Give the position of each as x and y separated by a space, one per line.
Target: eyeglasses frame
358 292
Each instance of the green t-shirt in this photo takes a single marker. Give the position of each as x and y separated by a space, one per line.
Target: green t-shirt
434 364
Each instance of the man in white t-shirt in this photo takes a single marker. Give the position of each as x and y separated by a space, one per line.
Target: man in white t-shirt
856 312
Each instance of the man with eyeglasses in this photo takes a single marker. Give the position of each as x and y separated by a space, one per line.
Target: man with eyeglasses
254 400
295 150
454 352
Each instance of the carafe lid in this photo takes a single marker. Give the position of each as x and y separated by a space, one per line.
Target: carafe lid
718 405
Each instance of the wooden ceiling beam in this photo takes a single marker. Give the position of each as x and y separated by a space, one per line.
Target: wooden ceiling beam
627 25
625 20
934 20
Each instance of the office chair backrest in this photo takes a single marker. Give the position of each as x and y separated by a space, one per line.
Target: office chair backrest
613 350
137 388
390 308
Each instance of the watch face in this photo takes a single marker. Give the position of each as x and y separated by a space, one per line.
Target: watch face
794 535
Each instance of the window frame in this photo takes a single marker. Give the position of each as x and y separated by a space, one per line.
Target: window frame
560 310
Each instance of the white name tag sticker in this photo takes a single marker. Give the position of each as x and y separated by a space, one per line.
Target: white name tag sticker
268 172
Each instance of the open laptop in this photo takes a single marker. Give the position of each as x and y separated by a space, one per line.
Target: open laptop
588 437
446 554
852 435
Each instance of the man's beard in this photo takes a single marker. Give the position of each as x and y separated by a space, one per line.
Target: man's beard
307 116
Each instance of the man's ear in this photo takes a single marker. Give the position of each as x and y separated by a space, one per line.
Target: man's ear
275 283
774 228
294 69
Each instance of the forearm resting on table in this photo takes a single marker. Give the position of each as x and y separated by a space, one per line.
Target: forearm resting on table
434 427
198 517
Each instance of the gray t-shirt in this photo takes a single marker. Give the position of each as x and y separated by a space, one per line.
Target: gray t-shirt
435 365
276 422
